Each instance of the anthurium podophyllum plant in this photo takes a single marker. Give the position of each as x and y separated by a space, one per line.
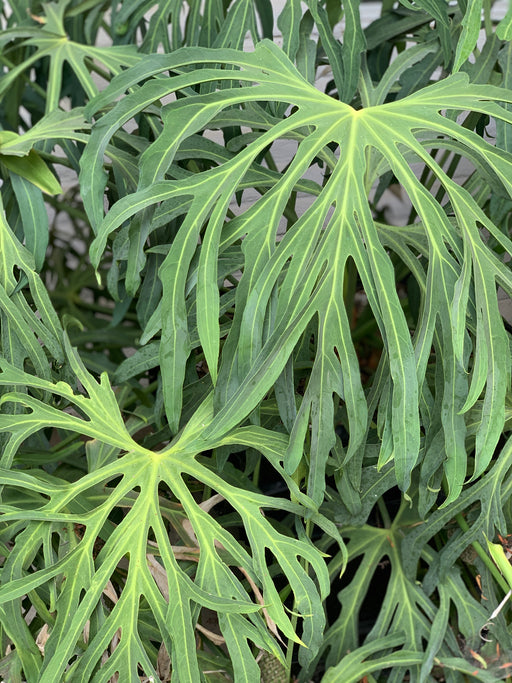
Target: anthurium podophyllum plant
250 426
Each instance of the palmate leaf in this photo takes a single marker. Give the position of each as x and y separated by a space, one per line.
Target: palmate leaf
74 580
50 40
302 275
426 617
135 554
363 662
215 586
404 601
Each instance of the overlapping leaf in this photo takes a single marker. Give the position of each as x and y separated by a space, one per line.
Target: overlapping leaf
406 611
175 23
49 39
22 327
243 272
75 578
215 586
307 265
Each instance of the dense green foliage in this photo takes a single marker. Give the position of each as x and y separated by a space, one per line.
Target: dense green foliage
247 422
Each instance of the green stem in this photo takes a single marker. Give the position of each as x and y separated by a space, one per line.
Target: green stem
270 162
488 26
386 519
256 473
289 649
387 6
291 643
145 390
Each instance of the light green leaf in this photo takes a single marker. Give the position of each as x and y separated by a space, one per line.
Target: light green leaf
501 560
32 168
57 124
